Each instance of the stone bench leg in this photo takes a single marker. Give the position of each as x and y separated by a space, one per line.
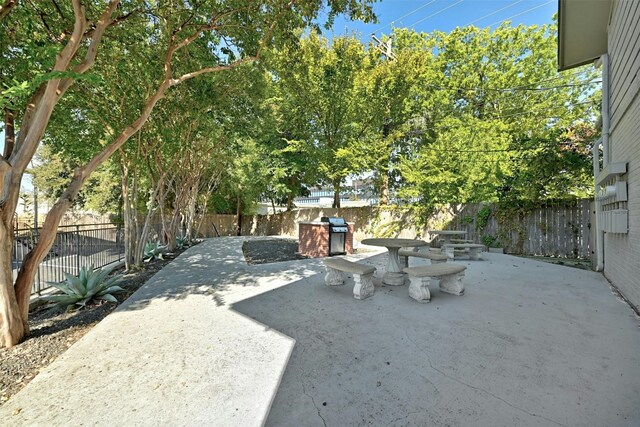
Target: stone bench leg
405 261
363 286
419 288
474 253
452 283
449 251
334 277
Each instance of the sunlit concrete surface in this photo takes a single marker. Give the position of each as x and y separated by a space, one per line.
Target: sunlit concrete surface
211 340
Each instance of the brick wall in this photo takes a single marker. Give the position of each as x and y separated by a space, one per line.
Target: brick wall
348 243
313 240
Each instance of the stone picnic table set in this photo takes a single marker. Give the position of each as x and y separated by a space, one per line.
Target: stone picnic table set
450 275
450 243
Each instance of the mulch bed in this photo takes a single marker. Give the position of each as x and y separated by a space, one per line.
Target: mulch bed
54 332
271 250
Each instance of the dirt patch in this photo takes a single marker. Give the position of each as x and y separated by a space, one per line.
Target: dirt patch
53 332
583 264
271 250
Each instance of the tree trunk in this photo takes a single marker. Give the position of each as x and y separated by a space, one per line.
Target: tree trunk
127 216
384 189
9 132
13 326
336 195
144 234
239 211
191 215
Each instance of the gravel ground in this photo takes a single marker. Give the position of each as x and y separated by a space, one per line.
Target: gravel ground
54 332
271 250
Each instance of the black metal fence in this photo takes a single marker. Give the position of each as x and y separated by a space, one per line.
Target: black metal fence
75 246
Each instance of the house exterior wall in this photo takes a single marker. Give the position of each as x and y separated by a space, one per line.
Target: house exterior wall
622 251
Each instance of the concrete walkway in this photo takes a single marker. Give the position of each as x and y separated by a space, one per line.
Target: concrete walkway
213 341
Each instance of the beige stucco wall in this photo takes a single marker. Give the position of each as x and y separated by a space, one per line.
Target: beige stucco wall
622 251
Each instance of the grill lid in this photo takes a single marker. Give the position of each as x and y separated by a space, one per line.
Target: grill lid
334 220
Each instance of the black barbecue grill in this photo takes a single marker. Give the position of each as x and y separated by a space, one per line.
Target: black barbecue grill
338 230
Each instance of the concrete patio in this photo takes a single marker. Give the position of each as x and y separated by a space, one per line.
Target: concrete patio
211 340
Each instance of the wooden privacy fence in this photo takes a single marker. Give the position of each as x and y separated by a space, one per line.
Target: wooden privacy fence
560 230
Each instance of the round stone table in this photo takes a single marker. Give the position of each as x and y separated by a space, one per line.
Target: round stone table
393 275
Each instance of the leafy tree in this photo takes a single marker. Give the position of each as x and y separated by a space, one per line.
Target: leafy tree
499 95
550 168
393 92
316 86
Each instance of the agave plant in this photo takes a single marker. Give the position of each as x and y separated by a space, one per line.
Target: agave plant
181 242
89 284
153 251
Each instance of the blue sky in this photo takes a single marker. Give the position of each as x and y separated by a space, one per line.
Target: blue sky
445 15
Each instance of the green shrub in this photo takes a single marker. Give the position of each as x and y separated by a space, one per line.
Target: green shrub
181 242
153 251
490 241
482 218
89 284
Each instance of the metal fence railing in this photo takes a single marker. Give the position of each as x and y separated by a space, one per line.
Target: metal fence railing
75 246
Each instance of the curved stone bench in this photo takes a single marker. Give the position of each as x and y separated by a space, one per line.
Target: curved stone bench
450 275
362 276
436 258
474 249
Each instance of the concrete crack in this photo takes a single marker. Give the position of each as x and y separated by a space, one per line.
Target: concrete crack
478 388
304 391
403 418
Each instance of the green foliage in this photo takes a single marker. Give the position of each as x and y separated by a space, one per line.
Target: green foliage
466 220
490 241
493 113
319 104
88 285
558 166
153 250
54 171
182 242
482 217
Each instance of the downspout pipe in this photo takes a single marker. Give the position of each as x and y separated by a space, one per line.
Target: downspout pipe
606 124
599 261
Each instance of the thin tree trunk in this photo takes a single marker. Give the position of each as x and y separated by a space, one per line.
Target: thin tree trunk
144 234
191 214
239 211
9 132
127 214
384 188
336 195
289 202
